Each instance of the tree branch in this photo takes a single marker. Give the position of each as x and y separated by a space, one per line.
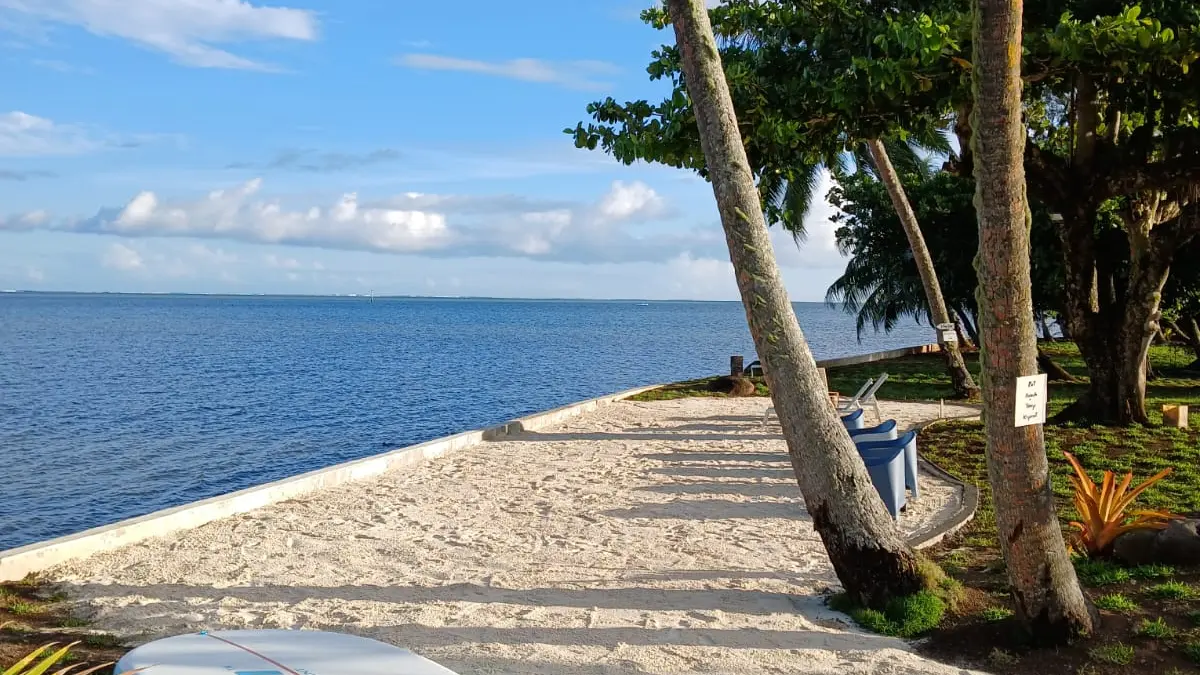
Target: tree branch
1128 178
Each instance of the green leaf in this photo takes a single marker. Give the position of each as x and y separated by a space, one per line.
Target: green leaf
1144 38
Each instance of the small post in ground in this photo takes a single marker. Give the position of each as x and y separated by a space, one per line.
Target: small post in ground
735 366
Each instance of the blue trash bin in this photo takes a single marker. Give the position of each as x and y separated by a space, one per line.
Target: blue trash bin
908 443
854 420
881 432
886 467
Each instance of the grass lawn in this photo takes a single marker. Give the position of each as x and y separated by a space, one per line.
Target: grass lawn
1151 615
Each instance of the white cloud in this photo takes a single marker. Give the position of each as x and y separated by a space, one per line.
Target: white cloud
819 248
25 135
573 74
211 256
276 262
630 222
701 278
238 215
626 201
123 258
187 30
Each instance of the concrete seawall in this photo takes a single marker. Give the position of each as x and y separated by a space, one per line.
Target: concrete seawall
18 562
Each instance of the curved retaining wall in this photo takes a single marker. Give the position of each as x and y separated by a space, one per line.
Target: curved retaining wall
18 562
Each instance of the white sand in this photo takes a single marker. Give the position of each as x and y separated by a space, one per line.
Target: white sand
664 537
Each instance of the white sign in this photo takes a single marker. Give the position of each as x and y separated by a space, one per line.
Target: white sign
1031 400
949 336
945 326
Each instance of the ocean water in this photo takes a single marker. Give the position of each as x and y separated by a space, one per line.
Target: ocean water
113 406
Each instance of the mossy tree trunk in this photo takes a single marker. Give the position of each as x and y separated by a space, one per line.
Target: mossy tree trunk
868 552
964 385
1044 586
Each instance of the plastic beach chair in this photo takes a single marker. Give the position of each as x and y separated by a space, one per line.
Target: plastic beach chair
885 466
879 432
851 404
869 396
854 420
908 443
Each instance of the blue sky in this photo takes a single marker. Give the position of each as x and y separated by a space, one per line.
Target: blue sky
313 146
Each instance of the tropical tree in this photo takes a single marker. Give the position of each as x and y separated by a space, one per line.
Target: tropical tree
880 284
1113 150
1045 590
964 385
787 181
868 553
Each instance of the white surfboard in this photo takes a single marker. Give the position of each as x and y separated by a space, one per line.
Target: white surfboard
275 652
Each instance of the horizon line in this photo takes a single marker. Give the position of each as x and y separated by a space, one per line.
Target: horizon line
367 296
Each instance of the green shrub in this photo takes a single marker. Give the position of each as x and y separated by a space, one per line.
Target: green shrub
1116 653
24 608
1095 572
1157 629
1152 572
905 617
1116 602
997 613
1172 590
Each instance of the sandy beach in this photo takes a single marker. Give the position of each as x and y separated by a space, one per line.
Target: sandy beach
664 537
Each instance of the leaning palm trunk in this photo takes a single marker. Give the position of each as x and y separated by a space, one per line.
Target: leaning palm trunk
964 385
1046 592
869 555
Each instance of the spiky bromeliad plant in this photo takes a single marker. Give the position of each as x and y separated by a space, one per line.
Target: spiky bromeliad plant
1103 508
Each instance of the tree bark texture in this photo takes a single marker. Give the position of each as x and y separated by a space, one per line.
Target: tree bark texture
868 552
1046 592
964 384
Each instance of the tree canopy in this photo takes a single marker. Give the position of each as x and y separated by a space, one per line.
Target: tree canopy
1109 99
880 284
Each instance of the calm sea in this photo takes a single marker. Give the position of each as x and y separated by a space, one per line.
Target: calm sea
113 406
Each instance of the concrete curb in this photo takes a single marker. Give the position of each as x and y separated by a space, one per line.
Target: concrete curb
19 562
967 508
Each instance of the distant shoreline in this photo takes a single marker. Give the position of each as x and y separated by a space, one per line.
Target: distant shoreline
170 294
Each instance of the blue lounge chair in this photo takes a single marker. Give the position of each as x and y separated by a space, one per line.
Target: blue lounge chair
907 443
854 420
885 465
880 432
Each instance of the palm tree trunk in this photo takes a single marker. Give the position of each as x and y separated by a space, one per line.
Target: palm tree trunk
964 385
1046 592
965 321
1047 330
868 553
